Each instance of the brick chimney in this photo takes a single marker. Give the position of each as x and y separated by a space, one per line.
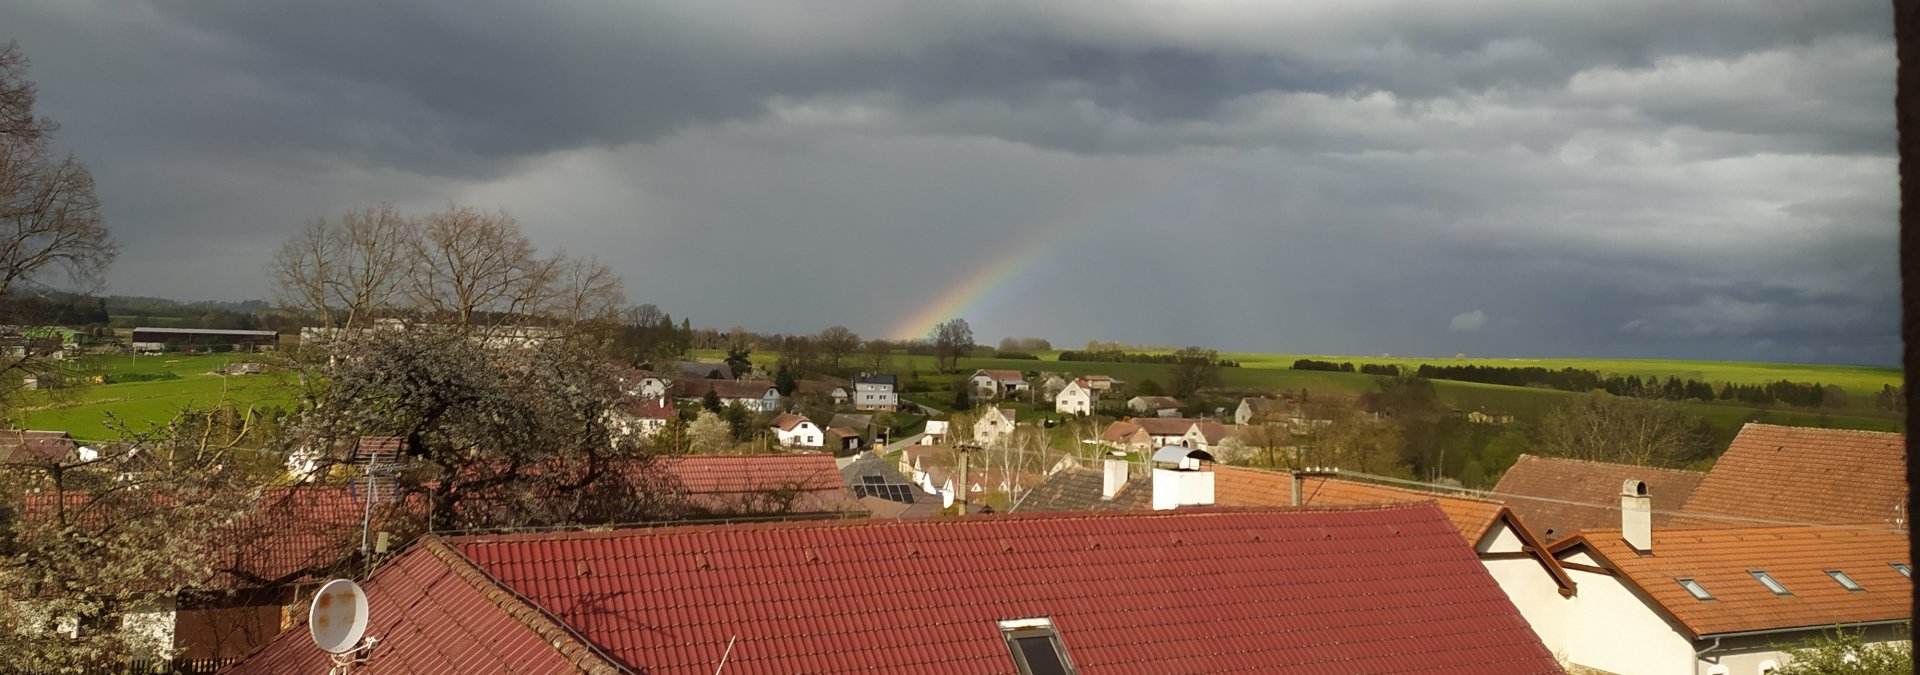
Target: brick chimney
1636 515
1116 475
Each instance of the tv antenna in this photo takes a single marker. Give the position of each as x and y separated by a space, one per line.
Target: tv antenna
337 620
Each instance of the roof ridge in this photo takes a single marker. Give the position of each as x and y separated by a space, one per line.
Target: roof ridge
1345 479
1544 458
571 646
1819 430
674 528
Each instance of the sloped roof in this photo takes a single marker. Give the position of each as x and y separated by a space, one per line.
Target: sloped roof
936 426
1213 432
657 409
722 388
1594 485
699 370
1118 432
25 445
297 529
1156 401
1079 489
851 421
1352 590
1167 426
786 421
747 484
1241 486
1801 474
867 378
1796 556
434 613
1001 375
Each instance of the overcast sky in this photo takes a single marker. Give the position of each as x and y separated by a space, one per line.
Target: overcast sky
1649 178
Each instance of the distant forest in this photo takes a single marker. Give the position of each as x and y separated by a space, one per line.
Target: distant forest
1796 394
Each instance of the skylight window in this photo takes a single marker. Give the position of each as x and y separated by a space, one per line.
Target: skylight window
1902 569
1768 581
1693 587
1846 582
1036 647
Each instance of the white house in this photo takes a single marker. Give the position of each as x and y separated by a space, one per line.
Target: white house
754 395
994 425
936 433
876 392
993 384
1721 600
643 418
1156 406
1077 398
645 385
796 431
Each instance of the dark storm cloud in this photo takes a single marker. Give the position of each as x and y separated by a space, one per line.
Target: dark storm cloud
1635 178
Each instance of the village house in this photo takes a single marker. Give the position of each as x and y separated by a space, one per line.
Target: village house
1076 398
873 391
644 417
1285 409
935 433
994 425
1154 406
1558 497
645 385
1723 600
1102 384
1146 433
796 431
1803 474
754 395
1258 591
884 491
997 384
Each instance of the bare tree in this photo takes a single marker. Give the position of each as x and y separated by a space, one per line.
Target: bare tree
1194 368
51 233
1623 430
470 266
837 342
879 356
586 291
345 274
952 340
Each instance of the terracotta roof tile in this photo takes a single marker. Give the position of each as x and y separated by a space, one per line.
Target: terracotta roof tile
743 484
1240 486
786 421
1796 556
1803 474
1204 591
1002 375
433 614
1596 484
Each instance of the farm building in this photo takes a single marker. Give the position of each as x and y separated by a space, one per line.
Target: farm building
148 339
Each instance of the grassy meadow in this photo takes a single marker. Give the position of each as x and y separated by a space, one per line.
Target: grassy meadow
84 411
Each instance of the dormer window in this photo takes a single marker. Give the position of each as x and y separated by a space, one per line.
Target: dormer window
1695 589
1845 581
1036 647
1768 581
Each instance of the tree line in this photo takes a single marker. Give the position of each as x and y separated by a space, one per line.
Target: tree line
1671 388
1174 358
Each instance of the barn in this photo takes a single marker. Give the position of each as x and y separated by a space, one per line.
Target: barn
149 339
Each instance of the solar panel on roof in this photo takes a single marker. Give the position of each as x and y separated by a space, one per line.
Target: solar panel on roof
873 480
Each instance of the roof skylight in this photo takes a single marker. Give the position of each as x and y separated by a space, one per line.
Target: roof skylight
1768 581
1846 582
1036 647
1902 569
1693 587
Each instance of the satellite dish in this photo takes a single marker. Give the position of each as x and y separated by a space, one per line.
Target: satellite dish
338 617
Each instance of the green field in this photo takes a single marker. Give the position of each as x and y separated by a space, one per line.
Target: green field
84 413
1268 372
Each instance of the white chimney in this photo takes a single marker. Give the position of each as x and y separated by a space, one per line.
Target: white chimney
1116 476
1636 515
1181 477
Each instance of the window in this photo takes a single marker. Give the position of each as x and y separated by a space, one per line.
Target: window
1036 647
1768 581
1902 569
1845 581
1699 592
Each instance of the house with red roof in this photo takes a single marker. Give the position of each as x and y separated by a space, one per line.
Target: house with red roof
997 384
757 485
1723 599
1354 590
644 417
796 431
1802 474
1558 497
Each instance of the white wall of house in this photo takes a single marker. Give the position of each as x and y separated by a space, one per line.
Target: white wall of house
802 435
151 626
1613 628
874 396
1527 583
651 388
991 428
1243 414
1074 400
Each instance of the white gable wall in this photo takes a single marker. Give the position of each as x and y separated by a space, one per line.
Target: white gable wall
1613 628
1527 583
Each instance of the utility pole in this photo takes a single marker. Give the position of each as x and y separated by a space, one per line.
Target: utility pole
962 450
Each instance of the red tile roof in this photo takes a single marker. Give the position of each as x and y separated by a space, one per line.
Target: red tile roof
657 409
753 484
1796 556
1166 426
1800 474
1202 591
1001 375
726 389
1592 487
786 421
1240 486
22 446
300 529
434 613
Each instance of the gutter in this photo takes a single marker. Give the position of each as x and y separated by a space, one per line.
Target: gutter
1717 637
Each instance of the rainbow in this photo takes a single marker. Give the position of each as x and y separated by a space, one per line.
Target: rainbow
987 283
